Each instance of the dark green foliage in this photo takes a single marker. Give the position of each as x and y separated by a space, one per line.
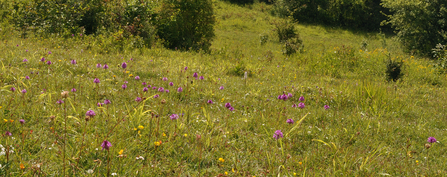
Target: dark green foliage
355 14
393 70
420 24
67 17
287 35
186 24
241 1
440 54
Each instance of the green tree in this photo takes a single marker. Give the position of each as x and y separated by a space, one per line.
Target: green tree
186 24
419 24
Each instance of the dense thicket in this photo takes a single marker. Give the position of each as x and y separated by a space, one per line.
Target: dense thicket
419 24
354 14
187 24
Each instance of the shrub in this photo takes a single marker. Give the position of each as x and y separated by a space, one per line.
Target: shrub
440 54
241 1
287 35
263 38
420 24
357 14
393 70
67 17
186 24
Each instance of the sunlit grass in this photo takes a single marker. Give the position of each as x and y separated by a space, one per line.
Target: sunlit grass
372 127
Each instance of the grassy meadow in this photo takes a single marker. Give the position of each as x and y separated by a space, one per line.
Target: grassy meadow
160 120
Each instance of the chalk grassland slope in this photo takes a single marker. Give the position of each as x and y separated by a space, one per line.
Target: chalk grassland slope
370 127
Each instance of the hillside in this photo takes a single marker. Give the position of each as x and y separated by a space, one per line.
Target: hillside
326 110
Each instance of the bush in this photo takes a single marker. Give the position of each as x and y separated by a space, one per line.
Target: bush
67 17
355 14
287 35
440 54
420 24
186 24
393 70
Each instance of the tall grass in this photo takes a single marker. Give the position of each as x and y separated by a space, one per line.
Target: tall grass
371 127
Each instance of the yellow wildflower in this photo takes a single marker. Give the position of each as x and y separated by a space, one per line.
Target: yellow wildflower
164 134
140 127
22 166
135 129
121 152
226 173
10 120
6 120
301 163
157 143
221 159
127 72
130 75
185 135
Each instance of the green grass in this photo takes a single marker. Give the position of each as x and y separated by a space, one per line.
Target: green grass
373 127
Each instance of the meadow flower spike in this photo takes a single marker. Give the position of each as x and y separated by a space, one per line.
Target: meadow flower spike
171 84
180 89
138 99
156 96
8 133
167 91
42 59
13 89
144 83
165 79
231 108
301 98
25 60
64 94
124 86
90 113
107 101
73 90
186 68
301 105
289 95
73 62
227 105
195 75
278 134
22 121
161 89
145 89
221 88
98 65
105 66
326 107
210 101
96 81
48 62
201 78
124 65
431 140
137 77
106 145
294 106
173 116
59 102
289 121
24 91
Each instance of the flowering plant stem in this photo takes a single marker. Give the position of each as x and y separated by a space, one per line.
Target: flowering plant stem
65 134
82 142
